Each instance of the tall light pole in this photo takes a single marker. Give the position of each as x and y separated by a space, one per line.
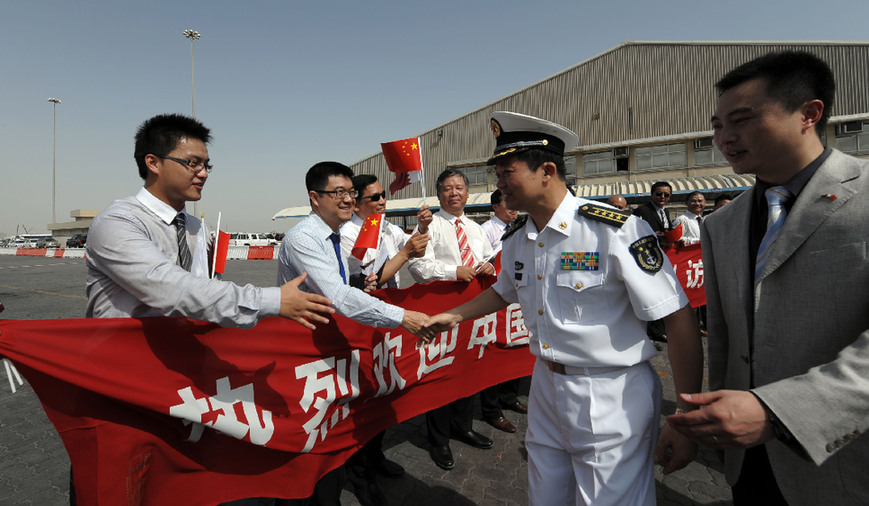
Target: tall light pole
54 101
193 35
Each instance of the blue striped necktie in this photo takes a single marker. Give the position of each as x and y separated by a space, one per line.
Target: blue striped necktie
776 197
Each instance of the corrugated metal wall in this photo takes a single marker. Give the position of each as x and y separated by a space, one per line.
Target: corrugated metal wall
635 91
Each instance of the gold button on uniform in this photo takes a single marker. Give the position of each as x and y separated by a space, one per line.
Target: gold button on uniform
540 244
562 225
540 311
539 276
545 346
578 286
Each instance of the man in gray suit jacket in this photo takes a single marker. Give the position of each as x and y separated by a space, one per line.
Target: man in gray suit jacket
788 345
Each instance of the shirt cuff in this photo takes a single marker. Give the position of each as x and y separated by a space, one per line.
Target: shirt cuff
271 301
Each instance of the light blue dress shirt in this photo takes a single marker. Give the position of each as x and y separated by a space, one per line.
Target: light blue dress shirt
307 248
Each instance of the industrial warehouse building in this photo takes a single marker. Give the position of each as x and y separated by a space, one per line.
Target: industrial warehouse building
642 112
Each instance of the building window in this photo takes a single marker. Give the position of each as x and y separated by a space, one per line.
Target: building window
668 156
853 137
597 163
706 153
477 175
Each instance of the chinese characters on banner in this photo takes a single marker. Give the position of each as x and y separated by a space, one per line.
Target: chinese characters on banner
167 410
688 264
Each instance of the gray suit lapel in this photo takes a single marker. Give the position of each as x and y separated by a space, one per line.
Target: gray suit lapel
823 195
731 247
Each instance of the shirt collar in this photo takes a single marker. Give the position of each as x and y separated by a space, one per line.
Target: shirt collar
497 221
797 183
562 218
163 210
321 226
451 217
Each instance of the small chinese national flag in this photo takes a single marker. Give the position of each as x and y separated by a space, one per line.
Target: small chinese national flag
221 249
405 159
368 236
675 234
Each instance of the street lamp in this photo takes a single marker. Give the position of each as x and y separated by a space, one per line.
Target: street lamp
193 35
54 101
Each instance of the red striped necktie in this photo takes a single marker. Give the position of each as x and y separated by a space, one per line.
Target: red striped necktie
464 245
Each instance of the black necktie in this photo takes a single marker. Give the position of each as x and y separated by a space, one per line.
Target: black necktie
184 258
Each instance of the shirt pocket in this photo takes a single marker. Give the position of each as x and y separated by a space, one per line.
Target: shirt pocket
520 281
581 296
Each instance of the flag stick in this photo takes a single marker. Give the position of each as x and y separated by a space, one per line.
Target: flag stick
216 241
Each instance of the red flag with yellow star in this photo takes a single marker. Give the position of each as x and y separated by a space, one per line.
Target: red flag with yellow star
368 237
405 159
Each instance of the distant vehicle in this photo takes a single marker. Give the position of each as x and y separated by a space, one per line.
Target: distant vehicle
47 242
76 241
31 240
245 239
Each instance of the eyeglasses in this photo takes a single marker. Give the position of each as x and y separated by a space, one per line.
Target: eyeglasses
340 193
374 197
662 194
192 165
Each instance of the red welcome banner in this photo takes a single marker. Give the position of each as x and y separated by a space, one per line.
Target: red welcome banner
169 410
688 263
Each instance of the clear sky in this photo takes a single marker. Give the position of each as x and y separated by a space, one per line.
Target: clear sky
285 84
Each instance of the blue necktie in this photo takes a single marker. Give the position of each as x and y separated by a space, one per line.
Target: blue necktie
775 198
336 241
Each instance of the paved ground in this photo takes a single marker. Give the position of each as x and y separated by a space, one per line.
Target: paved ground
34 467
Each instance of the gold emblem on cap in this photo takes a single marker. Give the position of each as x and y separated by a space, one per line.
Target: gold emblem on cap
545 142
496 127
562 225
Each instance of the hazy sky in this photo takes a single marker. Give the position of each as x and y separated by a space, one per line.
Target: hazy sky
285 84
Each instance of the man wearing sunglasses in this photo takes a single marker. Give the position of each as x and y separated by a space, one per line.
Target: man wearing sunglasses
379 266
654 211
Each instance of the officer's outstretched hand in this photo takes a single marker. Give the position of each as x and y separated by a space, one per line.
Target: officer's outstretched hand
437 324
674 450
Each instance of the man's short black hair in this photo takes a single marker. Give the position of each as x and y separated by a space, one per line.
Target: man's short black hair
361 182
495 198
537 157
447 173
660 184
723 197
318 175
160 135
792 78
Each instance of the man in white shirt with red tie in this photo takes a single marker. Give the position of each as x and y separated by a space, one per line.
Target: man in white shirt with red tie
458 249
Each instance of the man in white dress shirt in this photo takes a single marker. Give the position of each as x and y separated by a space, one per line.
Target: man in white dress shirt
496 227
692 218
458 250
380 266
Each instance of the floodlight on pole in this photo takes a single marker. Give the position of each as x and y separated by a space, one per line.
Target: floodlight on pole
193 35
54 101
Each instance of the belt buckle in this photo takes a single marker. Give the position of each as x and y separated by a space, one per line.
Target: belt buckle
555 367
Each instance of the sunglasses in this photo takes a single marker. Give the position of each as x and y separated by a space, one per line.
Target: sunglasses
375 197
661 194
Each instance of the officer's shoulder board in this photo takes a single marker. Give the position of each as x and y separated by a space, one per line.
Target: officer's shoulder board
514 226
604 214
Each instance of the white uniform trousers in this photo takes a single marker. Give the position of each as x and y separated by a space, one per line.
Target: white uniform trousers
591 436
